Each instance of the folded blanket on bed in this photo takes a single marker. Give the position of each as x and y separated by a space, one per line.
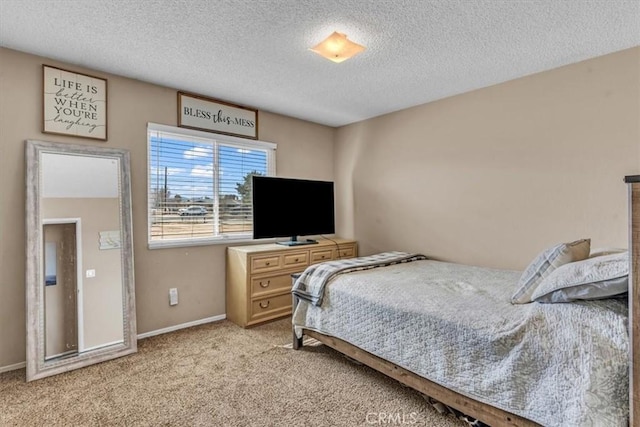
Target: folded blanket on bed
310 285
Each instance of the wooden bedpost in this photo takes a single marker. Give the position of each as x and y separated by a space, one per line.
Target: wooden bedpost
297 342
634 299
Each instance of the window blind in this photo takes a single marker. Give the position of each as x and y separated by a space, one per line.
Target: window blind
199 185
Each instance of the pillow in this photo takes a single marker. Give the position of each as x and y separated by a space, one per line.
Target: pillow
545 263
600 277
605 251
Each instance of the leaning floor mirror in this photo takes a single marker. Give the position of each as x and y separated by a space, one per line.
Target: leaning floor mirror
79 276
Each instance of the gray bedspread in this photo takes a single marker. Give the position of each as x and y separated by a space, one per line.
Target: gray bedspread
311 283
555 364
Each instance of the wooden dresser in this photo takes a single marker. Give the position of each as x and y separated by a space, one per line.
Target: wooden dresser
258 287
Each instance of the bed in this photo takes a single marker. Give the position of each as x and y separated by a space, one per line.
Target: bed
452 332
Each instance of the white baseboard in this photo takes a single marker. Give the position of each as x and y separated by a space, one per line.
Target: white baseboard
182 326
95 347
140 336
12 367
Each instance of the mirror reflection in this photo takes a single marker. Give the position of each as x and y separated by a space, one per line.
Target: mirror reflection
79 204
80 296
60 278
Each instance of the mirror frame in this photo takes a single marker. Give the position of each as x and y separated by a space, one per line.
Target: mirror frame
37 367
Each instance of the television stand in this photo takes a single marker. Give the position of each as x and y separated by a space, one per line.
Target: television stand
295 242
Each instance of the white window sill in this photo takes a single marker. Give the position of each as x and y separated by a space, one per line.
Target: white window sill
166 244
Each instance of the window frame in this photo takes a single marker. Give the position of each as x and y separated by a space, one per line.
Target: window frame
214 138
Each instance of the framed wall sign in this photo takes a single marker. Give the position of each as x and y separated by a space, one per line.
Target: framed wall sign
74 104
199 112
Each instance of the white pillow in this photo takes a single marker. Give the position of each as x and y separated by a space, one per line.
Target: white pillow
605 251
547 261
599 277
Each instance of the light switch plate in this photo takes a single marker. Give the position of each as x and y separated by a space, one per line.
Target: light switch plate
91 273
173 296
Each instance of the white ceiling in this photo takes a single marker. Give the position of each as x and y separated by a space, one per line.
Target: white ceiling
255 52
71 176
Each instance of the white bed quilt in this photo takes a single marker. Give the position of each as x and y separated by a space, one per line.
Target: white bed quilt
555 364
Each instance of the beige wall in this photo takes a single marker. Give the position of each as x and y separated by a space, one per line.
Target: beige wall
493 176
304 150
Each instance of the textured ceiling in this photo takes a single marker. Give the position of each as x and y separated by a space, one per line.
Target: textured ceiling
255 53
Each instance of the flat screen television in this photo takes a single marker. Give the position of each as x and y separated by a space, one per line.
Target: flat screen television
285 207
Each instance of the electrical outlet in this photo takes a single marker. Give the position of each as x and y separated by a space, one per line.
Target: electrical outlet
173 296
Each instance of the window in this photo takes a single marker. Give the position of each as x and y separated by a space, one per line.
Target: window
200 185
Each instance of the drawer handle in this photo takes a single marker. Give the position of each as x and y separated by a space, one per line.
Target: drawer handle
264 306
267 263
296 260
265 285
323 256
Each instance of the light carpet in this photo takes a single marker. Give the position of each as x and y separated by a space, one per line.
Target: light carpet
218 374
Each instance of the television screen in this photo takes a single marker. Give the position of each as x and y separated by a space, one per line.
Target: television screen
284 207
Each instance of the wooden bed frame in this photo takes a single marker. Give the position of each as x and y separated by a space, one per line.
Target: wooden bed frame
487 413
481 411
634 299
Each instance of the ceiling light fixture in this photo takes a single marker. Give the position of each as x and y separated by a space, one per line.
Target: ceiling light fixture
337 48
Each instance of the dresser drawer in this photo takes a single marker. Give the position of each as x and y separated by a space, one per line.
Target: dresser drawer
298 259
271 306
265 263
270 284
345 252
258 277
321 255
